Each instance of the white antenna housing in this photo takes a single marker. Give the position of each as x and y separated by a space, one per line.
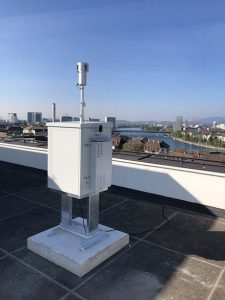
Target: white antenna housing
82 69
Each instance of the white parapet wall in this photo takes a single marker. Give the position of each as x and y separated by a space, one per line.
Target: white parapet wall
190 185
24 155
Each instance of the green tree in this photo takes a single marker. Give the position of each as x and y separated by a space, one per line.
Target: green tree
187 137
177 134
133 146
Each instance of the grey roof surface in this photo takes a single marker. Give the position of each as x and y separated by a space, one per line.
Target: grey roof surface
20 142
190 163
183 258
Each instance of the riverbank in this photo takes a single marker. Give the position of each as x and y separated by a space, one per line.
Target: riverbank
175 144
198 144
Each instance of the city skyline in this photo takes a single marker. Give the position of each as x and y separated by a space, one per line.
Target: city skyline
143 55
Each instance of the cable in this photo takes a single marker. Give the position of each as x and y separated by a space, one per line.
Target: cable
82 215
154 229
131 234
146 231
163 213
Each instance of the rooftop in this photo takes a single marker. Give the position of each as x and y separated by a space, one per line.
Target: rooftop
28 142
179 255
174 161
211 164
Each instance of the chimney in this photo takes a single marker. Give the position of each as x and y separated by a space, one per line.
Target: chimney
53 112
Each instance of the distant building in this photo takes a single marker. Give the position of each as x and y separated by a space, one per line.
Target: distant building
66 119
45 120
30 117
93 120
34 117
178 124
15 130
112 120
12 118
3 135
118 141
40 131
185 125
53 112
192 130
155 146
221 137
35 130
220 126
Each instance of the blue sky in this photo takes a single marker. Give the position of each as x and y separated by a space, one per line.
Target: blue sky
149 59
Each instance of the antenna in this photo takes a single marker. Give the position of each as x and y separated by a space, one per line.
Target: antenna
82 69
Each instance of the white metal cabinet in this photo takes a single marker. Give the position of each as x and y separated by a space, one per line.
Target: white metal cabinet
79 157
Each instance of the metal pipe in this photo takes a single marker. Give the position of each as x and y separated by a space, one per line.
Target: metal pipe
82 104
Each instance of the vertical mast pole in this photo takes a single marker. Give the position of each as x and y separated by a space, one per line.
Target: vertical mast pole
82 104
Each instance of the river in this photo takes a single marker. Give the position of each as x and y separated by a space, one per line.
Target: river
174 144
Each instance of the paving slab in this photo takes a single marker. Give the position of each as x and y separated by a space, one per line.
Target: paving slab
20 169
11 205
71 297
15 231
134 217
3 194
219 292
12 178
108 200
50 269
42 195
194 235
21 283
2 254
145 272
148 272
20 182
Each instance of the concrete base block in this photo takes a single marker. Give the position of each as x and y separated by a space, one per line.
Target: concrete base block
63 248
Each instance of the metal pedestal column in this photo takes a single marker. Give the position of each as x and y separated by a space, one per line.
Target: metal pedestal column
90 233
93 213
66 210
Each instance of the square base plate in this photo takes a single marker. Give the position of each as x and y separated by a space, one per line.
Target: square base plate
63 248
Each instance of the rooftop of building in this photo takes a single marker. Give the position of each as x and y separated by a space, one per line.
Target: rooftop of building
211 162
28 142
176 249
